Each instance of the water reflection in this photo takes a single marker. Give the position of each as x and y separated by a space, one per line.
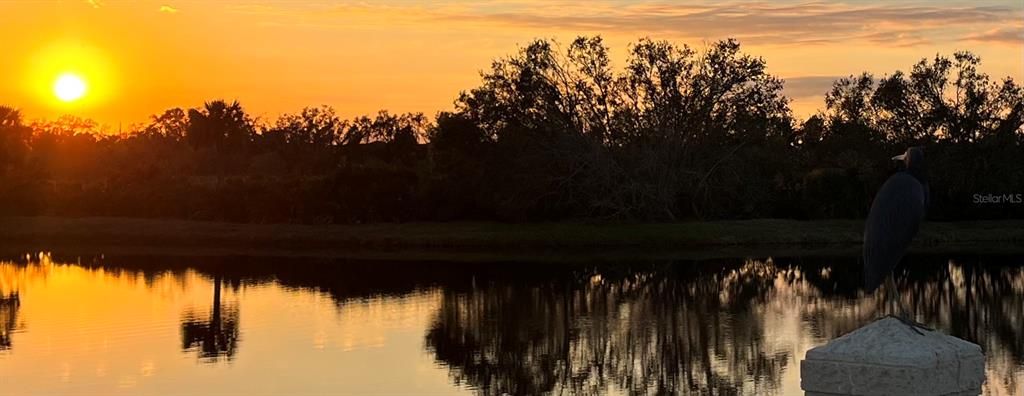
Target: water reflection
10 303
657 331
215 335
978 301
8 318
697 327
703 327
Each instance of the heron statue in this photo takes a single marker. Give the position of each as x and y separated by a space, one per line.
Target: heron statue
896 213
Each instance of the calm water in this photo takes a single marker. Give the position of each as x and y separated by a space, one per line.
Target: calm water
164 325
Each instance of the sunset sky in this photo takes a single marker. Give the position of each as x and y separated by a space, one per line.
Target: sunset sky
137 58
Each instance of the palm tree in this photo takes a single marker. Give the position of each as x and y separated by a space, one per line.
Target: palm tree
9 116
14 137
221 125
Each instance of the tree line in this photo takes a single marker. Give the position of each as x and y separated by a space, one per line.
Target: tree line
551 133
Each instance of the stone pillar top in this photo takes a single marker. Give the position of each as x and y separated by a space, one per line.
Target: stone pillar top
888 357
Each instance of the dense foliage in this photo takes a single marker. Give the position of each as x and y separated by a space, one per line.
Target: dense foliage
550 134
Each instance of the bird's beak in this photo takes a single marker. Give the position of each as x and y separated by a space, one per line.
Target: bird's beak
900 157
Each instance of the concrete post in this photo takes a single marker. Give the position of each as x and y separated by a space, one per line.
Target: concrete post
886 357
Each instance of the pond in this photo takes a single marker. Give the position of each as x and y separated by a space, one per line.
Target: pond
161 325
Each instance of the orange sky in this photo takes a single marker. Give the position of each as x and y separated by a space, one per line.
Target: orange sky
141 57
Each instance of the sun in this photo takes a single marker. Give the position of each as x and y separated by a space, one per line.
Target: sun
69 87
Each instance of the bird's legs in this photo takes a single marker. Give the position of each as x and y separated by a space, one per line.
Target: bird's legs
892 296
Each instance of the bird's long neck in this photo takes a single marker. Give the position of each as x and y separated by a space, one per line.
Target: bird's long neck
920 174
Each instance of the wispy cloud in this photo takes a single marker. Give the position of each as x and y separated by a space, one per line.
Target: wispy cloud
769 23
759 23
94 3
808 86
1007 35
168 9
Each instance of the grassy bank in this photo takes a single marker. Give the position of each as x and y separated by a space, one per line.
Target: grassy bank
53 231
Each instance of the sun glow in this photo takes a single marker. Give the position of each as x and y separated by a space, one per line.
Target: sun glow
69 87
71 78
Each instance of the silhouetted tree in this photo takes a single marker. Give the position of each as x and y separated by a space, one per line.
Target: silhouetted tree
462 160
655 141
304 142
14 139
317 127
550 133
173 124
970 126
223 131
219 124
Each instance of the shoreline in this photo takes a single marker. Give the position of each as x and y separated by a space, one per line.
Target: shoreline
474 240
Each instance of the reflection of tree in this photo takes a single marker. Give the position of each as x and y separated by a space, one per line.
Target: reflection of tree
642 332
980 302
693 329
216 335
8 319
343 279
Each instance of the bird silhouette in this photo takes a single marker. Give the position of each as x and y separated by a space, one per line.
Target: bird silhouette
896 214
